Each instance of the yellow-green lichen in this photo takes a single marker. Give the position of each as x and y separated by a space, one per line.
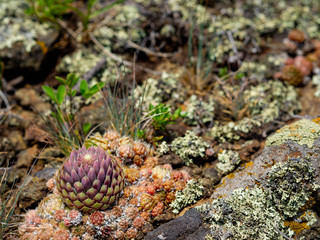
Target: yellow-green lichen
291 185
199 110
189 147
303 132
246 214
167 89
189 195
227 161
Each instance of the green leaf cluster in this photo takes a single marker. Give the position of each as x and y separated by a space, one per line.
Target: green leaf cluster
51 10
62 126
161 115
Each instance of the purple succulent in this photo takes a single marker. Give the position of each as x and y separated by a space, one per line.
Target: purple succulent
90 180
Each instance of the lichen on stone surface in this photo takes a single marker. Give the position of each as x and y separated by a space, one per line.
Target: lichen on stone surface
246 214
17 27
189 146
227 161
198 110
189 195
291 185
302 132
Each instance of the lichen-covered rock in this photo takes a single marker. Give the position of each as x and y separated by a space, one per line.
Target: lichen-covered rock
302 132
246 214
24 41
291 185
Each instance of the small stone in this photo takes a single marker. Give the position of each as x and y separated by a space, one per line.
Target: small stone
303 64
26 157
27 96
16 139
296 35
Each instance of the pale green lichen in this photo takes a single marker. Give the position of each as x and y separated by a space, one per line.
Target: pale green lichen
189 147
254 70
228 160
17 27
291 185
260 212
80 62
303 17
246 214
84 59
126 25
303 132
267 101
198 110
167 89
190 10
189 195
163 148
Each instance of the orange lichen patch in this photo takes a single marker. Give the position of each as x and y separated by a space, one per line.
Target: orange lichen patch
43 47
295 226
248 164
231 175
316 120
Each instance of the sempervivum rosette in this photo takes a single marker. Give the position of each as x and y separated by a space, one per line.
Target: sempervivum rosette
90 180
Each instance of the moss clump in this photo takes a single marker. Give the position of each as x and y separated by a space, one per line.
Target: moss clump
187 148
228 160
246 214
189 195
291 185
199 111
303 132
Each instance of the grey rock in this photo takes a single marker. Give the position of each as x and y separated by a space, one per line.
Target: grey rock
177 229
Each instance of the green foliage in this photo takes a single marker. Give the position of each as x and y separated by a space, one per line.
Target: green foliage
161 115
125 109
51 10
62 127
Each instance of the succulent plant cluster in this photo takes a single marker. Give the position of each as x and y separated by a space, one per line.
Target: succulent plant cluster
125 149
148 191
